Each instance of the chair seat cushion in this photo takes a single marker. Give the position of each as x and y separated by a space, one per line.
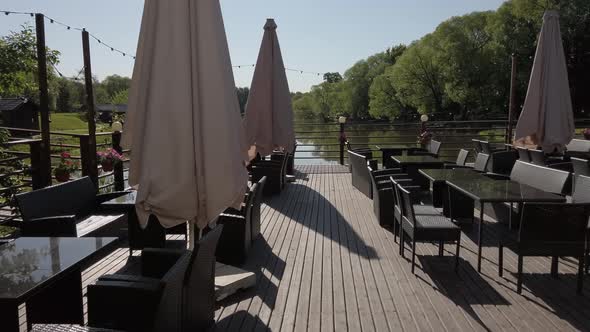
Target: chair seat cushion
433 222
426 210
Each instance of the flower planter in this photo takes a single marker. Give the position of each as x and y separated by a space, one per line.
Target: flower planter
62 176
107 166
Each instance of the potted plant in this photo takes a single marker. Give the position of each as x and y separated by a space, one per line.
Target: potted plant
65 167
425 137
108 159
586 133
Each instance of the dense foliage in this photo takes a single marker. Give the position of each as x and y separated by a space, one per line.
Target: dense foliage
459 71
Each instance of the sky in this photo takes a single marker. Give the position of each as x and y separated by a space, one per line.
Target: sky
315 35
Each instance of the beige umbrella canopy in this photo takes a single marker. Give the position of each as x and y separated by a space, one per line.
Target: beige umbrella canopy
183 123
269 116
547 119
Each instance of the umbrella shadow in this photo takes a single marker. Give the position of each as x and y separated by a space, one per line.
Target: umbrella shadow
453 285
344 235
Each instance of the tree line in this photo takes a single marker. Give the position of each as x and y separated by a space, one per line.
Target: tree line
18 77
460 71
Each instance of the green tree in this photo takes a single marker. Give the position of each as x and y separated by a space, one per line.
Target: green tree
120 98
419 79
64 100
18 64
332 77
243 98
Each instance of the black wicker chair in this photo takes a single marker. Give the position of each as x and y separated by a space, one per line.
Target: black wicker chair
554 230
69 209
581 167
274 170
480 164
416 193
523 154
433 149
461 159
175 291
426 228
361 179
476 145
383 194
236 239
256 203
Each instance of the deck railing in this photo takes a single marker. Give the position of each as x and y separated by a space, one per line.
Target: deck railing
322 141
22 163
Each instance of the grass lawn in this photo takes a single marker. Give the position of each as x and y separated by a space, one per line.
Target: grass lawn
73 123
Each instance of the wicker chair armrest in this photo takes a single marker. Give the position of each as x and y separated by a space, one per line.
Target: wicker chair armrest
387 172
50 226
155 262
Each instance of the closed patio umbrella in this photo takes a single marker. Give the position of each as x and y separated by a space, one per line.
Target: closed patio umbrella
547 119
183 123
269 116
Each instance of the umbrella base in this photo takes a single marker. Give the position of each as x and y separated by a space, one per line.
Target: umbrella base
230 279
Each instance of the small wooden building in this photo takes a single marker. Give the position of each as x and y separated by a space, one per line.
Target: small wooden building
105 111
19 113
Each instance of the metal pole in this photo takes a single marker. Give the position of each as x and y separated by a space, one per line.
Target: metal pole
45 152
512 106
91 162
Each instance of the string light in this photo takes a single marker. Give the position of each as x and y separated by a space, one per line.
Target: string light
8 12
126 54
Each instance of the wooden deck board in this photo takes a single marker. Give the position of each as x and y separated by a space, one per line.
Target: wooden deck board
323 263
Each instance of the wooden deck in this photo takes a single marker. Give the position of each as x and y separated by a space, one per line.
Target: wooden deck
323 264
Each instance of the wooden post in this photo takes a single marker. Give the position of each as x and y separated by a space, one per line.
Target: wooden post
342 142
91 162
118 168
44 148
512 106
36 170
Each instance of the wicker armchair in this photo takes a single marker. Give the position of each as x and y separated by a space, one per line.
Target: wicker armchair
432 150
275 172
426 228
236 239
480 164
174 292
461 159
256 202
383 194
554 230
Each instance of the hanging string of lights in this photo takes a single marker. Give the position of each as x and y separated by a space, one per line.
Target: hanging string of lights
121 52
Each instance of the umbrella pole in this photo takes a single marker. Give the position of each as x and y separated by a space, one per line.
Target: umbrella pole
512 105
192 237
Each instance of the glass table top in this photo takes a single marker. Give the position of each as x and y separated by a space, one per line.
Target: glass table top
398 147
417 160
127 199
502 191
453 174
28 262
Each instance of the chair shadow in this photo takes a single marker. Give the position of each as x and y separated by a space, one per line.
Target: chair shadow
452 284
558 296
236 321
353 242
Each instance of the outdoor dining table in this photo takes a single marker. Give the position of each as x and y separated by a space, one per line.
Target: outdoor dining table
412 164
395 150
463 207
153 236
45 274
497 191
